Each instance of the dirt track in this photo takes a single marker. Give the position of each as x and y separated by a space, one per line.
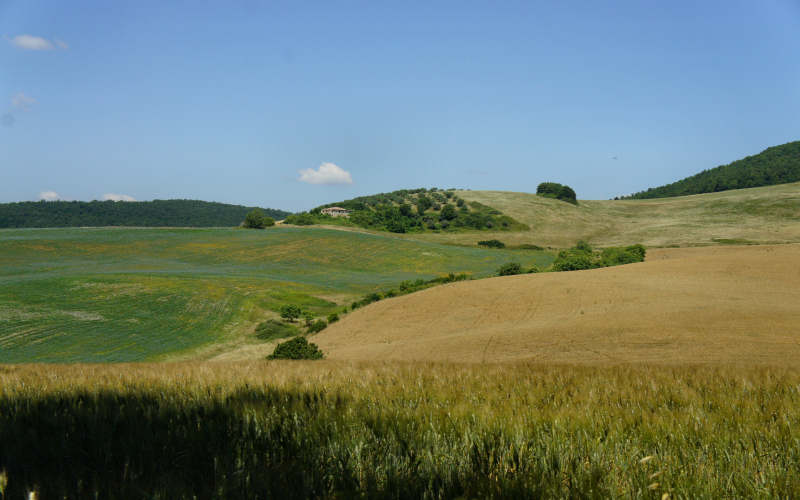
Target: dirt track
697 305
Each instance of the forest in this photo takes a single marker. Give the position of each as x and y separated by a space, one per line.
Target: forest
156 213
775 165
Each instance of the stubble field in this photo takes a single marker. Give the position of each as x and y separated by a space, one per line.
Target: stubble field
723 304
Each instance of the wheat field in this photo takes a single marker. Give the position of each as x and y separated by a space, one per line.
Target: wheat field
723 304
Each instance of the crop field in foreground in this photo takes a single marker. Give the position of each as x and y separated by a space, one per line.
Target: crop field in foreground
723 304
399 430
89 295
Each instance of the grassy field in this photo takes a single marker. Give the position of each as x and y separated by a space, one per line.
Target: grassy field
89 295
398 430
758 215
722 304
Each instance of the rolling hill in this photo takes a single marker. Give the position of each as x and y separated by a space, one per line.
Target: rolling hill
156 213
762 215
115 294
775 165
689 305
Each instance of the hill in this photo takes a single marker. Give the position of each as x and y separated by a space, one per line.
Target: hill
768 214
116 294
156 213
692 305
775 165
413 211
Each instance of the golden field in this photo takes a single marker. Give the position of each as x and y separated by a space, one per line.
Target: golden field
722 304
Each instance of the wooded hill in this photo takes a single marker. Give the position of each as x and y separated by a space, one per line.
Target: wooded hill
156 213
413 210
775 165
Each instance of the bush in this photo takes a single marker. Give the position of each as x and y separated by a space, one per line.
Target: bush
534 269
574 260
557 191
256 219
492 244
300 219
509 269
616 256
274 329
333 318
297 348
290 312
583 246
317 326
448 213
529 246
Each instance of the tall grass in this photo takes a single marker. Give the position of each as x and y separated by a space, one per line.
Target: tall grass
343 430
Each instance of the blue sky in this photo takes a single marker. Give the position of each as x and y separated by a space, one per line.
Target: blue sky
231 101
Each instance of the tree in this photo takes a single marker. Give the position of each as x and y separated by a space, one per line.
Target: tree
255 219
448 213
291 312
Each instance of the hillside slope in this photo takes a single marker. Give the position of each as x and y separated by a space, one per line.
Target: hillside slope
775 165
119 294
698 305
156 213
759 215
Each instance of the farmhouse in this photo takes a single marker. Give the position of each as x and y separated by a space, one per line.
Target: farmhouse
336 212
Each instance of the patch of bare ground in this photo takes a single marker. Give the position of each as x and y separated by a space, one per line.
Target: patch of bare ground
722 304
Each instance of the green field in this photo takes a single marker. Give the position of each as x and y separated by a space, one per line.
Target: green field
116 295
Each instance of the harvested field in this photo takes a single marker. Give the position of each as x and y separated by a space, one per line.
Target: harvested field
731 304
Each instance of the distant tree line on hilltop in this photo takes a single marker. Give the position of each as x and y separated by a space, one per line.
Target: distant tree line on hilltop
412 210
156 213
775 165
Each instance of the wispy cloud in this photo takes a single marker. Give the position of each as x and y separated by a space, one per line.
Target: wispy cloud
22 101
117 197
61 44
49 196
30 42
327 173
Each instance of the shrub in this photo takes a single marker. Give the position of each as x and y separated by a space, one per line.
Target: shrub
557 191
492 244
300 219
583 246
637 249
509 269
273 329
256 219
529 246
574 260
290 312
534 269
616 256
333 318
317 326
448 213
296 348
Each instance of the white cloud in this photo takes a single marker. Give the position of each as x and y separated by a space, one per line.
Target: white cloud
117 197
61 44
30 42
49 196
22 101
327 173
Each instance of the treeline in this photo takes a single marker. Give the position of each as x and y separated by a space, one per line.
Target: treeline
775 165
156 213
412 210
